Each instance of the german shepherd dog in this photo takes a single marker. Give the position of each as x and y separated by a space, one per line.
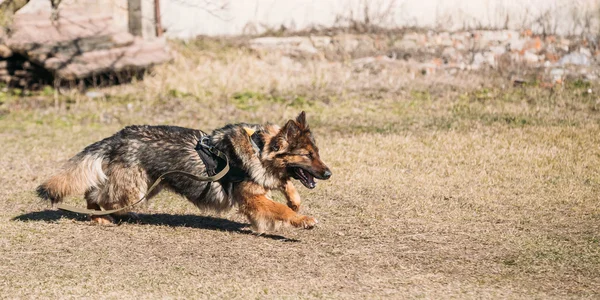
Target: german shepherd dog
118 170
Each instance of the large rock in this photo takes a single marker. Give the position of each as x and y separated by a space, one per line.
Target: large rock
138 56
5 51
79 44
575 58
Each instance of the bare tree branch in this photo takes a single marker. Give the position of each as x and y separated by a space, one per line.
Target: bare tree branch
212 7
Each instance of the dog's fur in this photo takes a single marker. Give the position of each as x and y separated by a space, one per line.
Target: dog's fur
118 170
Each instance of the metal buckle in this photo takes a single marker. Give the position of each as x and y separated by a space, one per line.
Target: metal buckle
204 142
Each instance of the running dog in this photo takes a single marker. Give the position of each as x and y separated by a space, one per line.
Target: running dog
118 170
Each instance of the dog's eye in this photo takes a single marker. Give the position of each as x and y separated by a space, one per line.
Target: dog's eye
275 147
310 155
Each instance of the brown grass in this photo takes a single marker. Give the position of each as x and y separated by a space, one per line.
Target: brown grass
442 187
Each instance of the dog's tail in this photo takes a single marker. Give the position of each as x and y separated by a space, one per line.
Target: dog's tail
80 173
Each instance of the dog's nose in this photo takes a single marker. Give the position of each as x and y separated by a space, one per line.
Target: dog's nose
326 174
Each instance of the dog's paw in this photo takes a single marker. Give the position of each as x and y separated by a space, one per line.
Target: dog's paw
305 222
103 220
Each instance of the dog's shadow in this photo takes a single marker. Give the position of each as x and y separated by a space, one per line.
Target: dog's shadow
192 221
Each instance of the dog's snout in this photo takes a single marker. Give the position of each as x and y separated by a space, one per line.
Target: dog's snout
326 174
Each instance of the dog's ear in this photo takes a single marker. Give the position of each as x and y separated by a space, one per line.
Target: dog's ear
301 119
290 130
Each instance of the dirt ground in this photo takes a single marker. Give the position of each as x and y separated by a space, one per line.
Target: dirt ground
442 187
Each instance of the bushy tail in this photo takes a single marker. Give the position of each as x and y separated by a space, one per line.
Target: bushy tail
79 174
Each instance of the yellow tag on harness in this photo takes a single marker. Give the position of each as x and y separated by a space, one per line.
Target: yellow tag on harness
249 131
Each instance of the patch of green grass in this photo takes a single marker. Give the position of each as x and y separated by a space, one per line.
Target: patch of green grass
248 100
252 101
578 84
420 95
483 94
47 91
175 93
301 102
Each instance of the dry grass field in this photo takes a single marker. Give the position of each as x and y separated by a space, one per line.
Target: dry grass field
442 187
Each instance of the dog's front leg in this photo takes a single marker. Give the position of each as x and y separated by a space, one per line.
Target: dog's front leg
264 213
291 195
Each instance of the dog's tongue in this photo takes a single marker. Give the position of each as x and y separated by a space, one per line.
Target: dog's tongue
307 179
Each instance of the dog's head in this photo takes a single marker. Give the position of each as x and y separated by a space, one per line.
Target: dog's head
293 148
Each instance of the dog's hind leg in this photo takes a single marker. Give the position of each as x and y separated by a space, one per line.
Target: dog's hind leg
92 197
125 186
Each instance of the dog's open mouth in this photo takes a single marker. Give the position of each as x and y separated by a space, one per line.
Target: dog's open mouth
304 176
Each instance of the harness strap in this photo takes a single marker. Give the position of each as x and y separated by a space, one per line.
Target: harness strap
216 177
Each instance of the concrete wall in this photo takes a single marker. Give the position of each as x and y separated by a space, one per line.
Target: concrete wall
185 18
188 18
